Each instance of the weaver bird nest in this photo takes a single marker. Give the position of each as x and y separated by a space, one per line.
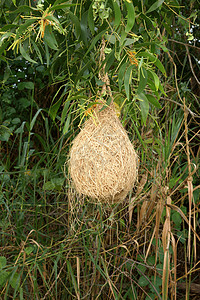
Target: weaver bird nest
103 162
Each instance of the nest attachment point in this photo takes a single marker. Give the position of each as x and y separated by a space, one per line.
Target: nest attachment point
103 162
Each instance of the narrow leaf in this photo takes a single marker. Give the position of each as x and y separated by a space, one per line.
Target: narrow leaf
74 282
23 8
54 109
144 106
50 38
91 19
94 41
3 262
76 23
121 75
153 59
34 118
25 55
56 21
67 123
127 81
155 78
5 36
24 26
37 51
155 6
117 11
109 60
64 112
47 53
80 73
153 101
143 76
130 15
84 28
61 6
58 1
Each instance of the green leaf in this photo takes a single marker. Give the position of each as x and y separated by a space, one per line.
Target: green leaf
121 75
29 250
5 133
94 41
15 280
141 269
67 123
176 218
16 121
25 85
47 53
150 296
37 51
109 60
117 12
153 101
162 89
56 21
25 55
23 8
143 281
84 28
76 23
8 27
127 81
3 262
49 38
91 19
24 26
54 109
74 282
58 1
143 76
5 36
3 277
155 78
153 59
61 6
80 73
7 73
155 6
131 16
34 118
64 112
144 106
54 184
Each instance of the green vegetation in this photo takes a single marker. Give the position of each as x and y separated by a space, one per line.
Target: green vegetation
55 244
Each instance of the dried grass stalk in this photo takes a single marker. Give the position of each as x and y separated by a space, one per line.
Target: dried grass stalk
103 162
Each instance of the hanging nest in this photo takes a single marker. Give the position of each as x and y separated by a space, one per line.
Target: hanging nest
103 162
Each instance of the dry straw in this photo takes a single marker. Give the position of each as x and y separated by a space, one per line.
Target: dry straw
103 162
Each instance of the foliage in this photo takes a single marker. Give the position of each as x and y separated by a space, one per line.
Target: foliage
54 243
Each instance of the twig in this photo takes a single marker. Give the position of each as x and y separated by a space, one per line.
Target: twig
191 66
182 106
103 76
181 43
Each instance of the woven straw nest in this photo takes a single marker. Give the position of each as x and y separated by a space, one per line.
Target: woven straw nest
103 162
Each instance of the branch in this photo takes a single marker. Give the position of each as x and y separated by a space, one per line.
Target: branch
181 43
191 66
182 106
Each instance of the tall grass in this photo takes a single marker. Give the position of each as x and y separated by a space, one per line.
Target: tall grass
55 244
